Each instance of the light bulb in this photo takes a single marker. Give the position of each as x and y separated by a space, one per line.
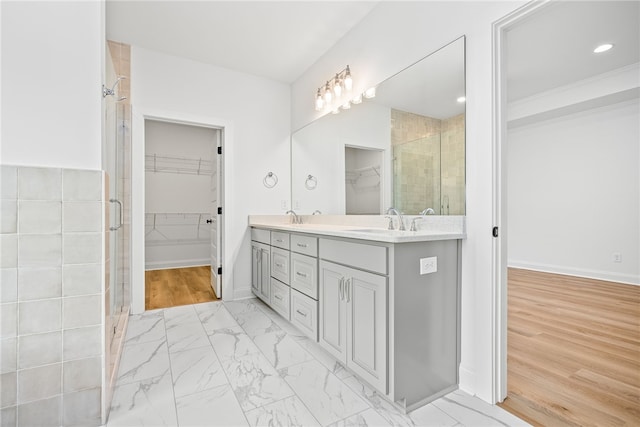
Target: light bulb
337 87
370 93
348 81
319 101
327 94
603 48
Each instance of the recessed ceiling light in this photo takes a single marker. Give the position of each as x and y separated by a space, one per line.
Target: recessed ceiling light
461 99
603 48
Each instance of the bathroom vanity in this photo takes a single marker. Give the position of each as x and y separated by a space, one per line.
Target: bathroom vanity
384 303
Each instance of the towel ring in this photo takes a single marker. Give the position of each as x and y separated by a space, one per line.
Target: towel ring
311 182
270 180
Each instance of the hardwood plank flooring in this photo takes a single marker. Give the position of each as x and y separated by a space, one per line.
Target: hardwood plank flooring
573 350
178 286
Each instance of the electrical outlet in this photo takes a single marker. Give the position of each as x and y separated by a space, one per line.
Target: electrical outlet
428 265
283 204
297 206
617 257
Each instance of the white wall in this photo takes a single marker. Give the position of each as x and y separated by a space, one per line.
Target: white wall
573 187
256 116
52 68
391 37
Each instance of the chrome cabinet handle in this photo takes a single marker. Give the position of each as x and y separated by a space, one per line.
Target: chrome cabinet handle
348 289
300 274
279 265
278 297
341 289
302 245
279 240
301 313
121 219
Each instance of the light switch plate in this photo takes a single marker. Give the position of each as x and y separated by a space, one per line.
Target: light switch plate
428 265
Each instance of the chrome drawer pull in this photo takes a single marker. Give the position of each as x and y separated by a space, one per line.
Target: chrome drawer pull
279 240
301 313
279 265
302 245
278 297
301 274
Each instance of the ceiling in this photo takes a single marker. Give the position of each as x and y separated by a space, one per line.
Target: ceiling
278 40
554 46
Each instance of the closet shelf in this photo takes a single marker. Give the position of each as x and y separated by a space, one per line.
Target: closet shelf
177 228
352 176
181 165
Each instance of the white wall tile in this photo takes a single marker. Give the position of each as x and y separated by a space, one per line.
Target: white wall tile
8 390
42 413
82 408
8 182
39 283
82 185
82 216
8 250
81 279
39 383
81 374
40 316
8 355
82 342
39 349
8 319
9 416
82 248
39 184
8 285
81 311
40 250
8 216
37 217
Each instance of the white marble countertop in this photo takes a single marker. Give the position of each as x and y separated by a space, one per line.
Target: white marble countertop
368 230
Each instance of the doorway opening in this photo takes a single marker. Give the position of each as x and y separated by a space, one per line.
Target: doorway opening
183 214
363 176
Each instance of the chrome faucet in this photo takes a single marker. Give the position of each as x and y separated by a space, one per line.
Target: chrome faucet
400 218
295 219
428 211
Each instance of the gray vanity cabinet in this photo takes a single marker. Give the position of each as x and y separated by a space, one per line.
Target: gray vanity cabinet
353 320
260 271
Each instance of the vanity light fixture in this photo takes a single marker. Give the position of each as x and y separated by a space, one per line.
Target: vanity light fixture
603 48
370 93
341 84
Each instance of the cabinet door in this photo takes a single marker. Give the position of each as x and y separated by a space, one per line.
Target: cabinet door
255 269
265 280
366 297
333 310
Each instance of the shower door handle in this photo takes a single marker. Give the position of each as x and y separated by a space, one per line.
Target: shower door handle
120 223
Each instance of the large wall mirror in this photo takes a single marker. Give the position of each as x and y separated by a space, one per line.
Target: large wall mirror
404 147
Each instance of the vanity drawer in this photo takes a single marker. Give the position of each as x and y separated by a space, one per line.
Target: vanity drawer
280 265
280 239
280 298
304 244
304 314
304 274
358 255
260 235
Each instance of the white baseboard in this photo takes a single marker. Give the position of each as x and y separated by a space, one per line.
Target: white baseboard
590 274
242 293
467 380
163 265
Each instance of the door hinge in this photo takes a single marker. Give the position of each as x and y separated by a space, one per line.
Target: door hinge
219 271
219 150
220 211
495 232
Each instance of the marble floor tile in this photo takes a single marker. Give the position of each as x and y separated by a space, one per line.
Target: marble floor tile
323 357
232 343
286 412
144 403
367 418
471 411
215 316
184 336
146 327
213 407
196 370
254 381
328 398
143 361
281 350
257 323
244 306
180 315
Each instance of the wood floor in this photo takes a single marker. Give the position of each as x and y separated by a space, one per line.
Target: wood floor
573 350
177 286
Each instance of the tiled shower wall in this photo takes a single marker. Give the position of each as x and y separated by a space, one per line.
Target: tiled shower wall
51 296
453 165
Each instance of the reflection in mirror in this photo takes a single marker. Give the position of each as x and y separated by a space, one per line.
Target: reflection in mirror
403 148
